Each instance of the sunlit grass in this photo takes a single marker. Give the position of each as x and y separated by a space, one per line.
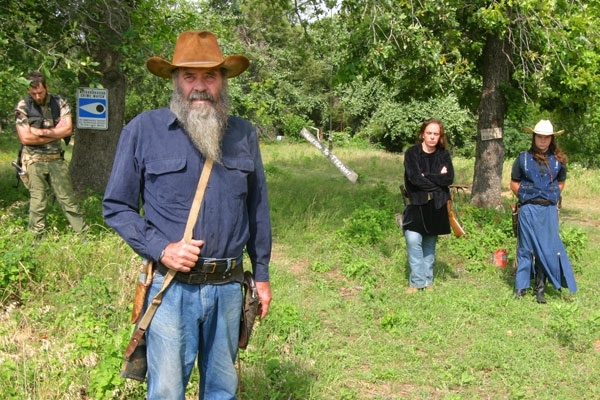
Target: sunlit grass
340 326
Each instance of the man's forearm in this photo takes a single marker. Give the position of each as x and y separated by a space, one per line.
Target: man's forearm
51 133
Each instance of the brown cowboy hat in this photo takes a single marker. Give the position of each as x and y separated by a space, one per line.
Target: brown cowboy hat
198 49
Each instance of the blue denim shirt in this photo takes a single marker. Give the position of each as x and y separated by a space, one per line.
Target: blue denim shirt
154 179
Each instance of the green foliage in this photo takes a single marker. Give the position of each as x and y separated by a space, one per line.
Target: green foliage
358 269
575 241
360 98
290 325
103 379
293 124
320 266
8 370
18 265
395 125
570 329
372 72
515 138
487 229
393 321
283 378
332 296
366 226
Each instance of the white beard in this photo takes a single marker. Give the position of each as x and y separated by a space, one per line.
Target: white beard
204 123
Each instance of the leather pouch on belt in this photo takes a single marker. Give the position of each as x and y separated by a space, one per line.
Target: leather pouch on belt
141 289
249 309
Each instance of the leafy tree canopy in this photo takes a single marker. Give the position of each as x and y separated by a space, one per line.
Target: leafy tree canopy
369 67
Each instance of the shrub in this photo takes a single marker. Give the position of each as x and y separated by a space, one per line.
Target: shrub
575 241
18 265
366 226
395 125
293 124
487 230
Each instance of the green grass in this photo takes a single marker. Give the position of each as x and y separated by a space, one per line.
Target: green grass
340 326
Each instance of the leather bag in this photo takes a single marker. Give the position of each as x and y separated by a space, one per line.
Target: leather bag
141 288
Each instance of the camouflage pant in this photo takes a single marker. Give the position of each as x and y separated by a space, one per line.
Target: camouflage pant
54 174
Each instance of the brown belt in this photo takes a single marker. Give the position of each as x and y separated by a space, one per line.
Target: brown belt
42 157
210 271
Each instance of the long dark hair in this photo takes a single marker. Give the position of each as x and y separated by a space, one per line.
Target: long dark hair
443 142
540 156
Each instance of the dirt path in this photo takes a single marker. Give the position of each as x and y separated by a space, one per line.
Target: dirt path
579 212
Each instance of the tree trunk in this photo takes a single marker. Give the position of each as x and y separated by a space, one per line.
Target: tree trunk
94 150
487 179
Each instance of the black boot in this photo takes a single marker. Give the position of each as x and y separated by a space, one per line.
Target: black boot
519 293
540 285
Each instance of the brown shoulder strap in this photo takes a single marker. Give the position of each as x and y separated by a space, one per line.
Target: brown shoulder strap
187 236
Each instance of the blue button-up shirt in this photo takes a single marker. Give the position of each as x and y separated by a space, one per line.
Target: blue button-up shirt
154 179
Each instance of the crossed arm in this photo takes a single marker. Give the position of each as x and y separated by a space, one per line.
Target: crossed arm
32 136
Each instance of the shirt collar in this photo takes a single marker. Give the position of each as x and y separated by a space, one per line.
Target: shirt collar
172 121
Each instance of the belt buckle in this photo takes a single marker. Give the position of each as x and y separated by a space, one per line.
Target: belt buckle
196 279
210 263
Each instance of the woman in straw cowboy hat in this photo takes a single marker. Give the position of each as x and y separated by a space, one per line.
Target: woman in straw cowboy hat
159 159
537 179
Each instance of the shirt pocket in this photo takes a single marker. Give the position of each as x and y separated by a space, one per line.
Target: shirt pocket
527 191
169 181
237 170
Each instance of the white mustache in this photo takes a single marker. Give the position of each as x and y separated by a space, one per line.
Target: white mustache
201 96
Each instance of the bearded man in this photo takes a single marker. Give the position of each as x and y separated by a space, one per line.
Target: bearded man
157 166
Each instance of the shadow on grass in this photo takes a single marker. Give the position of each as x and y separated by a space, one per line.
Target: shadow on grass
442 272
288 379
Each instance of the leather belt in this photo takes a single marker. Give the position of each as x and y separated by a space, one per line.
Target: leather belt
429 198
210 270
539 202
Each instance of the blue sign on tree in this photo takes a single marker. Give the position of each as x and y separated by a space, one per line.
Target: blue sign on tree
92 108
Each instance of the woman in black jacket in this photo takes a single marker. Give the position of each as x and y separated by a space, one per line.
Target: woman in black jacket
428 172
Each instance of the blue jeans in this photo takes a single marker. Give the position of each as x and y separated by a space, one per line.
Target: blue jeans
194 320
421 256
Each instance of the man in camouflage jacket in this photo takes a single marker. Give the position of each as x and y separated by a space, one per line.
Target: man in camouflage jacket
42 120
